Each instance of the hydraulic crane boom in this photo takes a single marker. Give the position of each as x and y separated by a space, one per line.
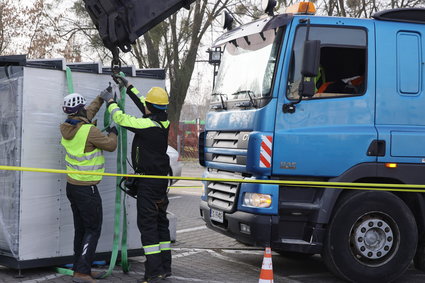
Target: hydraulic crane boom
121 22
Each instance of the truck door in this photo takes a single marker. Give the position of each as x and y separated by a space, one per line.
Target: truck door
400 98
332 131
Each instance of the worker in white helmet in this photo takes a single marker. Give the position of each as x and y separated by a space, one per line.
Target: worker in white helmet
84 144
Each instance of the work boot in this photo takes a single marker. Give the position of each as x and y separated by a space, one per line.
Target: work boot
155 279
167 274
98 274
82 278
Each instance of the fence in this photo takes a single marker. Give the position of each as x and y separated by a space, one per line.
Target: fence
185 139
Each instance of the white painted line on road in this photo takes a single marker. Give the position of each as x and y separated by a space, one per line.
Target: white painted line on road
176 197
191 229
229 259
45 278
246 252
195 193
187 254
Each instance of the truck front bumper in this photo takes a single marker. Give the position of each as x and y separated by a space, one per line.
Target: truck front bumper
260 226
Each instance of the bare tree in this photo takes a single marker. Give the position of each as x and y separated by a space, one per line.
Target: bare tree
27 29
10 25
42 38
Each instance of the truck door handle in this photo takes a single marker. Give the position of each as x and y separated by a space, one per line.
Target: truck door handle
376 148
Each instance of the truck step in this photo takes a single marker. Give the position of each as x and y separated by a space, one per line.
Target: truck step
297 242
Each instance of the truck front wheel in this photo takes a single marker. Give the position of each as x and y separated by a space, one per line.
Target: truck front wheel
372 237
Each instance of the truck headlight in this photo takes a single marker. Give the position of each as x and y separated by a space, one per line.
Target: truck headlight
204 189
257 200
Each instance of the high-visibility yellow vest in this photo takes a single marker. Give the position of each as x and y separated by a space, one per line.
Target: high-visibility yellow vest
78 160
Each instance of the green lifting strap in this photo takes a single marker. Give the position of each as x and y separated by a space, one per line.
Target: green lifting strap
70 85
121 168
69 80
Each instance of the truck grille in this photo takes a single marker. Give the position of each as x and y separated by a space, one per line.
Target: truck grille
221 194
225 147
228 147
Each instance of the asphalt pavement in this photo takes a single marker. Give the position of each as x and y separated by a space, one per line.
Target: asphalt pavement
202 255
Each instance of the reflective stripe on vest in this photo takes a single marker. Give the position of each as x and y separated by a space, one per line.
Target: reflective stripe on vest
78 160
87 157
85 168
134 90
151 249
165 246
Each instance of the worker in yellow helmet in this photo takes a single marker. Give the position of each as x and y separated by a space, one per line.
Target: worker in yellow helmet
84 145
149 157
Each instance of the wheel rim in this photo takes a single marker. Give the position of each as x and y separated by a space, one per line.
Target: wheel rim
374 238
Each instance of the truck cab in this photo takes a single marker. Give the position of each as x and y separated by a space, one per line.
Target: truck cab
356 118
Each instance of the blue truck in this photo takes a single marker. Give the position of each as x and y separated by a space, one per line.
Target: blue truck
300 97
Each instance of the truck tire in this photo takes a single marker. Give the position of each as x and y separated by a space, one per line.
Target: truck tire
372 237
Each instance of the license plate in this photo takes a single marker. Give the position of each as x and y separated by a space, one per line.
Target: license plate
216 215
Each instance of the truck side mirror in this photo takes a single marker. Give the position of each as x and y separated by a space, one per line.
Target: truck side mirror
311 58
310 67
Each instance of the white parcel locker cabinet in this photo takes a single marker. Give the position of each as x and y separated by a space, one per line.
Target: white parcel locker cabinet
35 215
11 81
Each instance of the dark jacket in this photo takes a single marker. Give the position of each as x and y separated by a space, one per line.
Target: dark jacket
149 149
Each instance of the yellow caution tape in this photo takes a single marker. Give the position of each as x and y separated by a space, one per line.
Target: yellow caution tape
336 185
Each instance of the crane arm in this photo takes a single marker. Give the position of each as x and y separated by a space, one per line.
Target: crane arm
121 22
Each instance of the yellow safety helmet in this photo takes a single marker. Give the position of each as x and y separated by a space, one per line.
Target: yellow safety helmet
157 96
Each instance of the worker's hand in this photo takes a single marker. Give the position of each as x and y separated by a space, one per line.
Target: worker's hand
120 80
112 130
106 95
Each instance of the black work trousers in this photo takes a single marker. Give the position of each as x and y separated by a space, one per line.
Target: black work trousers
152 203
86 206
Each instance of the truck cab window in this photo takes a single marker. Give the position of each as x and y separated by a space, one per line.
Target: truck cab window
342 62
247 68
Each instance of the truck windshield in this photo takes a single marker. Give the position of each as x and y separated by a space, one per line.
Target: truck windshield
246 70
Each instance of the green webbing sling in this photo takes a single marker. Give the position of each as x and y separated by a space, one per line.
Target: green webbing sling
70 85
121 168
69 80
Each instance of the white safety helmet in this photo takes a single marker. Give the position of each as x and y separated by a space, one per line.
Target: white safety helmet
73 102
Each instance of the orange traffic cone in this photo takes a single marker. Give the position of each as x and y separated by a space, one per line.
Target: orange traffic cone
266 275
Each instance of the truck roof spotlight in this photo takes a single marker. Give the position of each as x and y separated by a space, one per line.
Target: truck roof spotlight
268 6
227 21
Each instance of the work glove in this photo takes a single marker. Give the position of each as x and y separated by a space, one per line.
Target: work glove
120 80
106 94
112 130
